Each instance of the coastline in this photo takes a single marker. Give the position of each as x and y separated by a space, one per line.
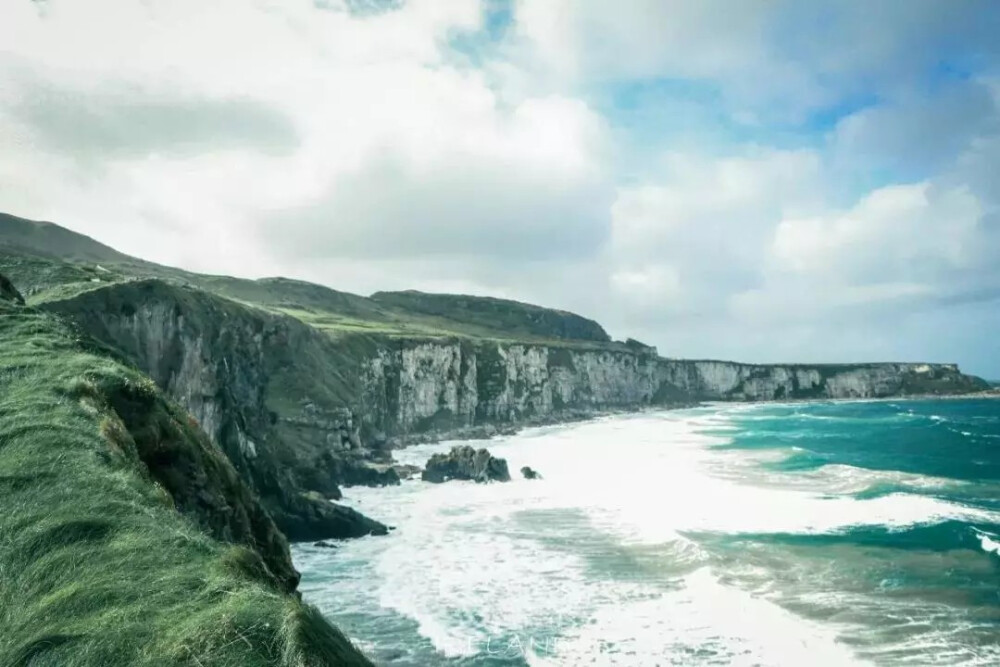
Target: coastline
490 432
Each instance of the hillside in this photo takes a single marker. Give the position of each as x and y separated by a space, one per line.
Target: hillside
127 537
51 240
515 319
49 262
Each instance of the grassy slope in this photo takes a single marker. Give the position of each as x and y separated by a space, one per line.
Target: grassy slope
516 319
96 565
54 241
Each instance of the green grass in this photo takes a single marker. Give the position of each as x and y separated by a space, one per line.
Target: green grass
512 318
42 279
97 567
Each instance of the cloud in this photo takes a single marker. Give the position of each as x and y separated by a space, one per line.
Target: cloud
135 122
645 38
706 222
782 58
905 133
717 178
893 232
900 249
524 183
356 132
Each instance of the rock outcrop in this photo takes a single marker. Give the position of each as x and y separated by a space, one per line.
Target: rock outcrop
528 473
182 460
465 463
309 517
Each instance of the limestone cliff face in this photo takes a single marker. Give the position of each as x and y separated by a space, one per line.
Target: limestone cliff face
444 385
718 380
459 384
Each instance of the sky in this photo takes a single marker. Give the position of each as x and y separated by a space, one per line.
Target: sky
764 180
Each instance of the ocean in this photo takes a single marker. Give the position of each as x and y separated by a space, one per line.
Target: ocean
827 533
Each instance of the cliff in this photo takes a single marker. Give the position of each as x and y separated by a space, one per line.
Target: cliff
420 386
237 371
127 535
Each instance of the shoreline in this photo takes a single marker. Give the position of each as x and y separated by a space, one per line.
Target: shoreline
491 431
488 432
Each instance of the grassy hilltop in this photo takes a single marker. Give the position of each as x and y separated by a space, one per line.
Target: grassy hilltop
126 537
51 263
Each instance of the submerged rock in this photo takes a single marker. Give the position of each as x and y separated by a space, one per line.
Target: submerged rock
323 544
529 473
406 471
465 463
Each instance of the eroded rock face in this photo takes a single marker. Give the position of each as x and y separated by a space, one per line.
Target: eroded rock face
466 463
8 292
220 360
200 480
464 386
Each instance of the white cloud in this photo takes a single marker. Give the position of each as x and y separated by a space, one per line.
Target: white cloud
706 223
898 249
650 286
893 232
725 196
644 38
292 130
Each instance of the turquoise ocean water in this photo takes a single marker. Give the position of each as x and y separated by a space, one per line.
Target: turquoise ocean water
795 534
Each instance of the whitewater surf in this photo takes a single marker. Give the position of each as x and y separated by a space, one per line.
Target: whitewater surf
822 533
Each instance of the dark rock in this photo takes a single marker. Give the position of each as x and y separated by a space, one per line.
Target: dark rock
380 455
322 544
246 356
8 292
465 463
319 475
308 517
363 473
529 473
